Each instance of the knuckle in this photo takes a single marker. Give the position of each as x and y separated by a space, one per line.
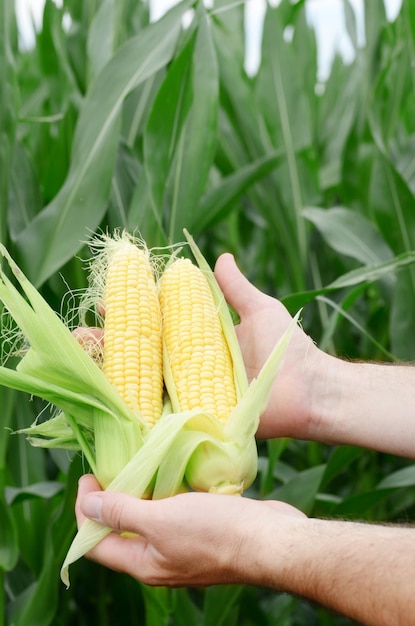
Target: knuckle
113 513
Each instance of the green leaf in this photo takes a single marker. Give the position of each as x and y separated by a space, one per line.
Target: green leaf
373 272
170 108
393 203
301 490
101 38
350 233
281 94
24 192
144 217
402 322
217 202
180 136
392 206
124 182
81 203
374 21
339 460
360 275
245 128
137 107
304 45
8 404
358 325
38 603
196 145
401 478
157 605
275 448
286 112
53 55
44 490
393 86
184 611
350 19
8 107
228 17
337 109
360 504
219 604
408 14
332 321
9 548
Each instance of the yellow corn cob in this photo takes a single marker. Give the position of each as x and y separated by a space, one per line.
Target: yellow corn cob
132 331
196 349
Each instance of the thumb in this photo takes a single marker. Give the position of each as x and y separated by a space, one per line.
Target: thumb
237 289
118 511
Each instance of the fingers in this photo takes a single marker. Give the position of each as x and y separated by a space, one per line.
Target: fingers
116 552
187 539
86 335
91 340
237 289
122 554
119 511
116 510
87 484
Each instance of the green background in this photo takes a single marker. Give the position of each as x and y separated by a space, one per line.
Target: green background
116 122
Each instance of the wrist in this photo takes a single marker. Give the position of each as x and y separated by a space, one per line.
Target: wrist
326 382
271 547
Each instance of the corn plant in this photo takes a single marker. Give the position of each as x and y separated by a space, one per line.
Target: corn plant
113 120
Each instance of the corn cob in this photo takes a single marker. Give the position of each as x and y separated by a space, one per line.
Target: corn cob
205 375
195 346
132 331
122 280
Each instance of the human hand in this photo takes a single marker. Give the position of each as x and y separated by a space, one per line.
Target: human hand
296 404
199 539
192 539
297 401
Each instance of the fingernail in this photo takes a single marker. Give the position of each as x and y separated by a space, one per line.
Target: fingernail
91 506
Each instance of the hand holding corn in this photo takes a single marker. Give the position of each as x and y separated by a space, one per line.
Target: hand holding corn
263 321
317 396
364 571
189 539
165 405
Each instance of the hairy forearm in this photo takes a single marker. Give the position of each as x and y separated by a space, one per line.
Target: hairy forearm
366 404
364 571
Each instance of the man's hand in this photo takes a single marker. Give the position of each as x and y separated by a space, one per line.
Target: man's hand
191 539
317 396
196 539
297 401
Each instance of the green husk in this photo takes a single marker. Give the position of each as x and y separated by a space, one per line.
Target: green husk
134 479
57 369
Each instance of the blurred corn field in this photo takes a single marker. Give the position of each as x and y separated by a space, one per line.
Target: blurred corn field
113 121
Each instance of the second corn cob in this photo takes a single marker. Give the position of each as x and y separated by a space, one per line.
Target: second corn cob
195 347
